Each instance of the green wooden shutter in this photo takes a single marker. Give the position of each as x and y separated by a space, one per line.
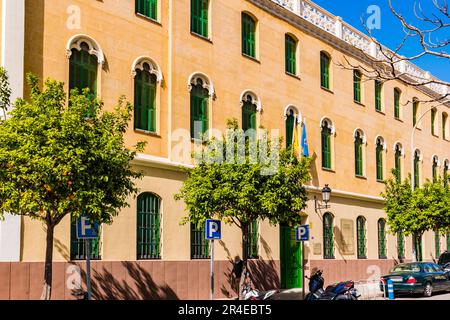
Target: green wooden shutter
434 170
382 239
199 17
326 147
361 237
433 121
448 241
145 101
358 156
290 55
397 104
148 226
444 125
415 109
199 111
416 170
148 8
290 122
400 245
379 161
328 239
357 86
248 116
378 105
252 242
248 35
437 243
78 247
398 166
199 244
324 70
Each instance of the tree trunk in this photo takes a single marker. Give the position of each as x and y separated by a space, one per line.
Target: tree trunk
47 290
244 258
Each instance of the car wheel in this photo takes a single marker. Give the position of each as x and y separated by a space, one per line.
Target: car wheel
428 291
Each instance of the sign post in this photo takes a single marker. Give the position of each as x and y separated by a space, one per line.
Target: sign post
212 232
302 235
87 231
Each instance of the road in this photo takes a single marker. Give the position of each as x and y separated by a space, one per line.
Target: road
436 296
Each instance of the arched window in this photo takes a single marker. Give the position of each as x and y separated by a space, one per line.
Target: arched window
325 70
380 159
249 112
435 166
361 237
248 35
400 245
417 169
199 245
378 100
291 121
433 121
290 54
445 170
199 17
417 242
415 110
359 157
382 254
78 246
398 161
326 144
437 243
357 85
148 226
252 240
445 133
328 238
145 99
148 8
397 112
201 90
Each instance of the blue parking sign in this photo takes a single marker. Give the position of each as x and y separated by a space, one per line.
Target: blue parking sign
86 229
212 230
302 233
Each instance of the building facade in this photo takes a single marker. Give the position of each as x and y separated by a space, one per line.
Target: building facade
188 65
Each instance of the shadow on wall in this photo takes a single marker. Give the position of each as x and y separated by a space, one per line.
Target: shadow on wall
106 287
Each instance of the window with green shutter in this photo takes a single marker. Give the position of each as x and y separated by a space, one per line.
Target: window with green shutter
199 110
83 71
400 245
357 85
397 103
148 226
328 238
199 17
249 111
78 247
290 54
252 238
148 8
416 169
326 145
199 244
435 169
398 162
415 110
378 88
437 244
290 123
361 237
379 159
448 241
418 247
358 154
248 35
382 254
444 125
145 100
433 121
324 70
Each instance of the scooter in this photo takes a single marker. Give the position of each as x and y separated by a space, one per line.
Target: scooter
248 293
339 291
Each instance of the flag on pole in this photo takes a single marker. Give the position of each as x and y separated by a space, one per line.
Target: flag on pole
304 140
296 140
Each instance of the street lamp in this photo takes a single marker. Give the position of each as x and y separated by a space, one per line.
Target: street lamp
326 195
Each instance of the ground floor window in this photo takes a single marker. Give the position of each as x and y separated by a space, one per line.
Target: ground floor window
252 240
328 239
437 243
148 226
400 245
361 237
78 247
382 239
199 244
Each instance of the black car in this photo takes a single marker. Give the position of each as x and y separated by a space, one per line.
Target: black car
444 260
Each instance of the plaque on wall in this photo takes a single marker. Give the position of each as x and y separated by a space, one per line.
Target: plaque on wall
347 238
317 248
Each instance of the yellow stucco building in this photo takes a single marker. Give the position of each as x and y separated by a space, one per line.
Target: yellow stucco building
182 61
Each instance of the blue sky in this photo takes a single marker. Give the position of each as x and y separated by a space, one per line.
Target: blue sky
391 32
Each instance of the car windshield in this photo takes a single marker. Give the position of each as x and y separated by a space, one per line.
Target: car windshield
406 268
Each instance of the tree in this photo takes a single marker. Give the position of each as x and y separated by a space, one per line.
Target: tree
415 212
239 192
430 32
55 161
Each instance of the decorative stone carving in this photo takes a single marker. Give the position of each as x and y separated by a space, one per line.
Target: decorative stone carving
139 63
93 47
205 80
254 99
294 109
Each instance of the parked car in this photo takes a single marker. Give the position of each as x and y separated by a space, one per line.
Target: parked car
444 260
417 277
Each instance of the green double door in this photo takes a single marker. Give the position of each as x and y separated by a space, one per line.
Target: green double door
290 259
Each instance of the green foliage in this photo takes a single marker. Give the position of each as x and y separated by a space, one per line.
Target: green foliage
55 161
427 208
5 91
239 192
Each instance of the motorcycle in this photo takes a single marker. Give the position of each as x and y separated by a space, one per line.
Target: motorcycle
248 293
339 291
